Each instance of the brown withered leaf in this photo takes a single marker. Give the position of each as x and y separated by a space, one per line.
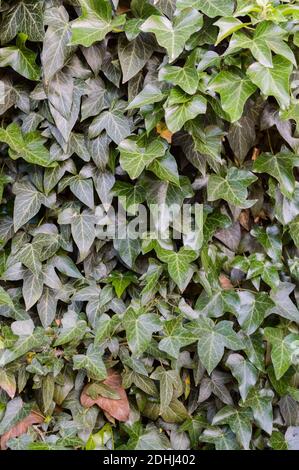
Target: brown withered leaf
164 132
118 409
21 428
123 7
244 219
225 282
255 153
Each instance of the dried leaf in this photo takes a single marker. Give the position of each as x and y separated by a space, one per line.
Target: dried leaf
21 428
118 409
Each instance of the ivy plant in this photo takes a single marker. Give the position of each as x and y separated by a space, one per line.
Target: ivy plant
116 115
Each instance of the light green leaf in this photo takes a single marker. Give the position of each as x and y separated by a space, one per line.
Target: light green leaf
28 146
149 95
139 327
229 84
227 26
173 36
283 349
185 77
92 362
273 81
21 59
180 108
94 23
5 298
166 169
267 37
211 8
178 264
121 281
280 166
232 188
136 155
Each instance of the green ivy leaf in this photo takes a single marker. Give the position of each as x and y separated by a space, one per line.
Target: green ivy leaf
186 77
23 345
252 310
27 203
238 421
260 401
136 155
267 37
232 188
29 256
121 281
29 146
229 84
20 58
95 22
133 55
166 169
92 362
178 264
56 49
176 337
149 95
139 327
211 8
213 338
283 349
228 26
245 373
173 36
114 122
280 166
283 304
180 108
24 17
273 81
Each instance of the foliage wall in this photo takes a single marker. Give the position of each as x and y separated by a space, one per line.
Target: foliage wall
149 343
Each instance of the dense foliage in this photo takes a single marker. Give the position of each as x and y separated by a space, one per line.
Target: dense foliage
183 342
